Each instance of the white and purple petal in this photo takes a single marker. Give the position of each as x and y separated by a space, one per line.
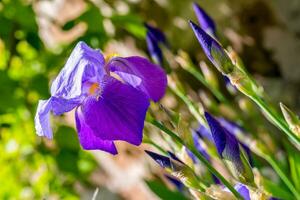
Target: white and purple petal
141 74
42 118
118 114
83 66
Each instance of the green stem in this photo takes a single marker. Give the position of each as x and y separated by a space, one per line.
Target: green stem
282 175
156 146
201 78
275 119
198 155
189 104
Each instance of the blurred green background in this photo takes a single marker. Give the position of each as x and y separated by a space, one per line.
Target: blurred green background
36 36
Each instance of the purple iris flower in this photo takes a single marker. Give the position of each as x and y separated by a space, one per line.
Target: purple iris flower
205 21
154 38
213 50
111 99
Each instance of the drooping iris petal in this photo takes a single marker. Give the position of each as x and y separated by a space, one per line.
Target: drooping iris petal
227 145
118 114
205 21
163 161
60 106
87 138
141 74
84 65
213 50
243 190
42 118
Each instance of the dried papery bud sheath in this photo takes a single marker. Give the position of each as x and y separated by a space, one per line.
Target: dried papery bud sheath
178 169
205 21
213 50
229 150
291 118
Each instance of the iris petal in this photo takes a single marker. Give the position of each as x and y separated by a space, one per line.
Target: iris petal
118 114
153 78
84 65
87 138
42 117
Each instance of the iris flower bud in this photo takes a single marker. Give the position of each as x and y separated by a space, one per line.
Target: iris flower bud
178 169
213 50
229 150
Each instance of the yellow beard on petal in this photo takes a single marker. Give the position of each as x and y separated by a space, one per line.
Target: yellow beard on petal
94 87
110 56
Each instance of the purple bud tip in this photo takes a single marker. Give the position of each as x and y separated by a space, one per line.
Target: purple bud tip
204 39
174 157
163 161
205 21
213 50
156 34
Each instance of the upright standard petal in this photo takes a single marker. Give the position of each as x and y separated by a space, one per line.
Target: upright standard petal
213 50
118 114
205 21
84 65
42 119
141 74
88 139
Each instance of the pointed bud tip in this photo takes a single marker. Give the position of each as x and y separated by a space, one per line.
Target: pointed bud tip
163 161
